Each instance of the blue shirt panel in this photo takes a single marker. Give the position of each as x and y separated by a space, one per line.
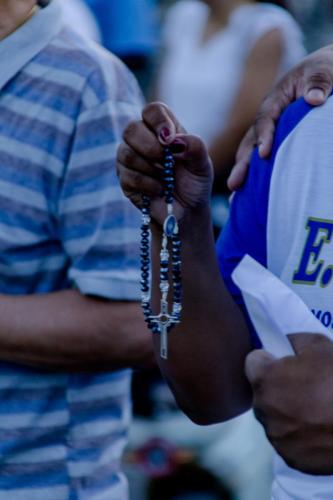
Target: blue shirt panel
246 229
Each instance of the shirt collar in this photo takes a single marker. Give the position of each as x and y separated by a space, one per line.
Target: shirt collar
17 49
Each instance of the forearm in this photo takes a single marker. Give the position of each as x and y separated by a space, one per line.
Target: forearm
68 331
205 367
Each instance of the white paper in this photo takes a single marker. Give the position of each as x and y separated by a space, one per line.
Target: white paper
275 310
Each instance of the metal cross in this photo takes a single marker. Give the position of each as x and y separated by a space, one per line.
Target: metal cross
163 320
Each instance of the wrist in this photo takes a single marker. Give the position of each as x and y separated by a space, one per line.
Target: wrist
196 221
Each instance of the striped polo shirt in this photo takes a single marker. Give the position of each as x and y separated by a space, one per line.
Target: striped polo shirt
64 223
283 218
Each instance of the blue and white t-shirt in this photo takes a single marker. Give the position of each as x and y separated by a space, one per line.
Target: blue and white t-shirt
64 223
283 217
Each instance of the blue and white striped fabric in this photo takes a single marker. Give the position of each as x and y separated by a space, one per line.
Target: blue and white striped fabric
63 223
283 218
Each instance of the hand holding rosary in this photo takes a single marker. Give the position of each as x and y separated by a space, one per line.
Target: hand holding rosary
169 315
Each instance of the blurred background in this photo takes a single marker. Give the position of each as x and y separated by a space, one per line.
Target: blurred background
212 61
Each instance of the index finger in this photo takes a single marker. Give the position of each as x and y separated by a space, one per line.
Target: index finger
270 111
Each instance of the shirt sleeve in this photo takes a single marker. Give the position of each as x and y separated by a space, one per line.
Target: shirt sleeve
245 231
267 18
98 226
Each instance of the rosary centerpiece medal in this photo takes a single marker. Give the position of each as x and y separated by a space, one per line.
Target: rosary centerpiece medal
169 314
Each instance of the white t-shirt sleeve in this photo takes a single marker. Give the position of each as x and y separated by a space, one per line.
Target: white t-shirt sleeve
266 18
181 20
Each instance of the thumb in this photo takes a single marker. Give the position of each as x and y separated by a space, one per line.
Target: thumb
317 86
256 365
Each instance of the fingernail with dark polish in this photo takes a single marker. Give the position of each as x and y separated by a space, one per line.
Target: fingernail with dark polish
178 146
165 133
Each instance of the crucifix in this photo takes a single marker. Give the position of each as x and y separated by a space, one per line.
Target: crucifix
163 321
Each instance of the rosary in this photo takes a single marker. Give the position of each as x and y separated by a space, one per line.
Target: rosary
166 319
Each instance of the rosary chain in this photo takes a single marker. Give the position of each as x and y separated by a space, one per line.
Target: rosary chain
166 319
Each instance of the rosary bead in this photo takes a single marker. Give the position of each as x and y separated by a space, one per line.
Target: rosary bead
164 286
170 261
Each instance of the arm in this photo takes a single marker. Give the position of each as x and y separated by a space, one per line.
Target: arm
264 60
68 331
207 350
312 79
94 228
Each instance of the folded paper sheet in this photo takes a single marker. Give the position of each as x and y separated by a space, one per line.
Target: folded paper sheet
275 310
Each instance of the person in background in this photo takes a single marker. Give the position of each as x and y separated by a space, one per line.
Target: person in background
70 325
221 59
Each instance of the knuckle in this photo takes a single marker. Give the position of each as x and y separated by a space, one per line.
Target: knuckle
154 109
131 131
135 179
127 156
320 79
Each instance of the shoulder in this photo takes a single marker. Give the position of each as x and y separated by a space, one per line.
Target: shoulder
272 15
184 15
246 228
96 73
262 18
186 10
255 22
260 171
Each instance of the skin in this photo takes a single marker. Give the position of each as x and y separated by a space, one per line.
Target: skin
217 356
66 330
14 13
211 346
311 79
264 59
